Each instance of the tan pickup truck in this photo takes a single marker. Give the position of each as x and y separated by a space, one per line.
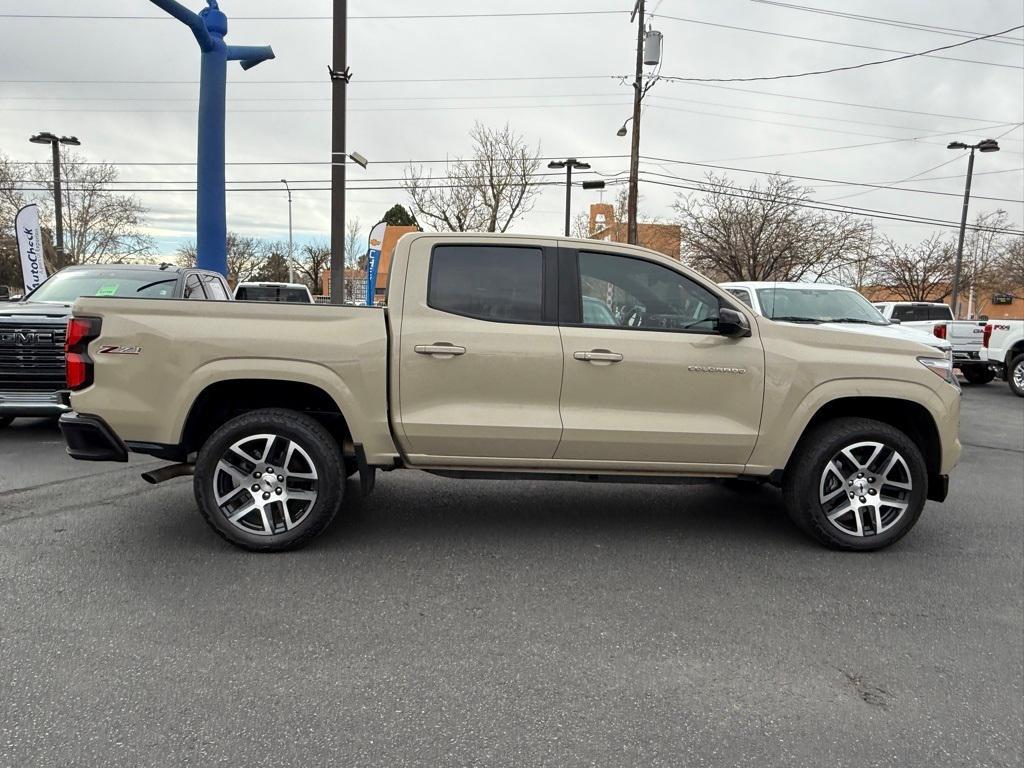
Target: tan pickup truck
502 356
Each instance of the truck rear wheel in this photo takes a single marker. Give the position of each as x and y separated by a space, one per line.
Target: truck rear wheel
856 484
1015 375
978 374
269 480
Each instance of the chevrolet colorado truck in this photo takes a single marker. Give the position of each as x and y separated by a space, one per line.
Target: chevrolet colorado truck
32 329
501 356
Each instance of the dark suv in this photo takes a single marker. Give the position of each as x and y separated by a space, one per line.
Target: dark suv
32 330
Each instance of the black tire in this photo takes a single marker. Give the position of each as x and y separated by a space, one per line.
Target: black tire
5 421
323 454
978 374
1015 375
804 480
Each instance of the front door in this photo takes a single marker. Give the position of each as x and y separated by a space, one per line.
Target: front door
481 357
647 378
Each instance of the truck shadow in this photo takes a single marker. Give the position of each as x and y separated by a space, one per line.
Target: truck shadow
421 508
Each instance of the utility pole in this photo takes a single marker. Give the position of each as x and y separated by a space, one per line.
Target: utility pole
988 145
58 195
634 156
340 76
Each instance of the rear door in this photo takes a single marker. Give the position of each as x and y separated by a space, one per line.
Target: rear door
480 358
655 383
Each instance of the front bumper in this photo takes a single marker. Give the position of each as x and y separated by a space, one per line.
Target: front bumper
33 404
90 438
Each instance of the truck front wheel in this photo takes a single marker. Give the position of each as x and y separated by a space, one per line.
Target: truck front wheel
856 484
269 480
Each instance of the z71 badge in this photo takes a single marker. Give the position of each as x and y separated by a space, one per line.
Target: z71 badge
115 350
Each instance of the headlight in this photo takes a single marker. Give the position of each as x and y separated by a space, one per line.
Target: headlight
942 367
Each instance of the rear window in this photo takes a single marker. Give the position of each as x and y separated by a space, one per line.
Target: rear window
939 312
271 293
500 283
911 313
65 287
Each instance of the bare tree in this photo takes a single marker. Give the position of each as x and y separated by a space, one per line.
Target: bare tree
11 201
100 226
984 250
355 244
486 192
245 256
922 272
765 232
1011 266
314 259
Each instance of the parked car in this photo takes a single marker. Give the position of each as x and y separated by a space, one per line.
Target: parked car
292 293
32 331
937 318
1003 350
833 306
485 363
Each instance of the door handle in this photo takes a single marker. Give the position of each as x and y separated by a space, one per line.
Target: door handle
598 356
440 349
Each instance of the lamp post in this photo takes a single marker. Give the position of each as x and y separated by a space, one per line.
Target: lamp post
291 252
58 211
570 164
988 145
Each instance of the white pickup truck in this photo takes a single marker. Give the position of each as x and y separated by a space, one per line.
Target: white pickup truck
1003 350
937 318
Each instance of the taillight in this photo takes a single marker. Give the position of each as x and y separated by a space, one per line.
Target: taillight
77 363
986 337
940 331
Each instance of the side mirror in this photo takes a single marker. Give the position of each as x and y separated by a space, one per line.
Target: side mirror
733 324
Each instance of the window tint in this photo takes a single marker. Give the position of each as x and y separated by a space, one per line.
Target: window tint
939 312
742 294
910 313
215 288
502 283
634 293
193 288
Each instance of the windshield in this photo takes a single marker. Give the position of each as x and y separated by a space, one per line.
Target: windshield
65 287
271 293
819 305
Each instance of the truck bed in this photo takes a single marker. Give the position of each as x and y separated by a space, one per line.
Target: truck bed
153 351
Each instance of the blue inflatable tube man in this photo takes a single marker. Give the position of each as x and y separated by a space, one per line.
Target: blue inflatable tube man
209 27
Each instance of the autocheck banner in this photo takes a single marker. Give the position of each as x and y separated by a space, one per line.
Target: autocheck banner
30 245
373 262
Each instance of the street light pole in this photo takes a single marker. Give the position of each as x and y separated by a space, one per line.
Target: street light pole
988 145
291 250
340 76
570 164
634 153
58 196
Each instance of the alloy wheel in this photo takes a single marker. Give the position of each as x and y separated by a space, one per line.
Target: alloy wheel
1018 375
265 484
865 489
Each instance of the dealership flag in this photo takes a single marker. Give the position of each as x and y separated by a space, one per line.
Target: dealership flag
373 262
30 245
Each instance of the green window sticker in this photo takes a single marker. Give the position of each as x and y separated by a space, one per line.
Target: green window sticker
107 290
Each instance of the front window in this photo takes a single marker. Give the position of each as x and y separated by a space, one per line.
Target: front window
64 287
817 305
624 292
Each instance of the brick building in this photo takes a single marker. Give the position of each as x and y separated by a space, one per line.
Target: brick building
663 238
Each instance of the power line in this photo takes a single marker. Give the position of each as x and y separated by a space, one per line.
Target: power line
835 69
320 81
397 17
839 42
890 22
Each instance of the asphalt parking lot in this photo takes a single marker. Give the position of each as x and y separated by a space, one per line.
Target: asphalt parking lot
482 623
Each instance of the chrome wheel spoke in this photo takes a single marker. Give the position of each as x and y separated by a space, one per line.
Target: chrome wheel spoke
223 499
245 510
878 481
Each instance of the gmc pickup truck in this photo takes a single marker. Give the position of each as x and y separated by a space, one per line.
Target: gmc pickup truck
502 356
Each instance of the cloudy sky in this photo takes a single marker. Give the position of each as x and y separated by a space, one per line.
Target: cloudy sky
127 88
